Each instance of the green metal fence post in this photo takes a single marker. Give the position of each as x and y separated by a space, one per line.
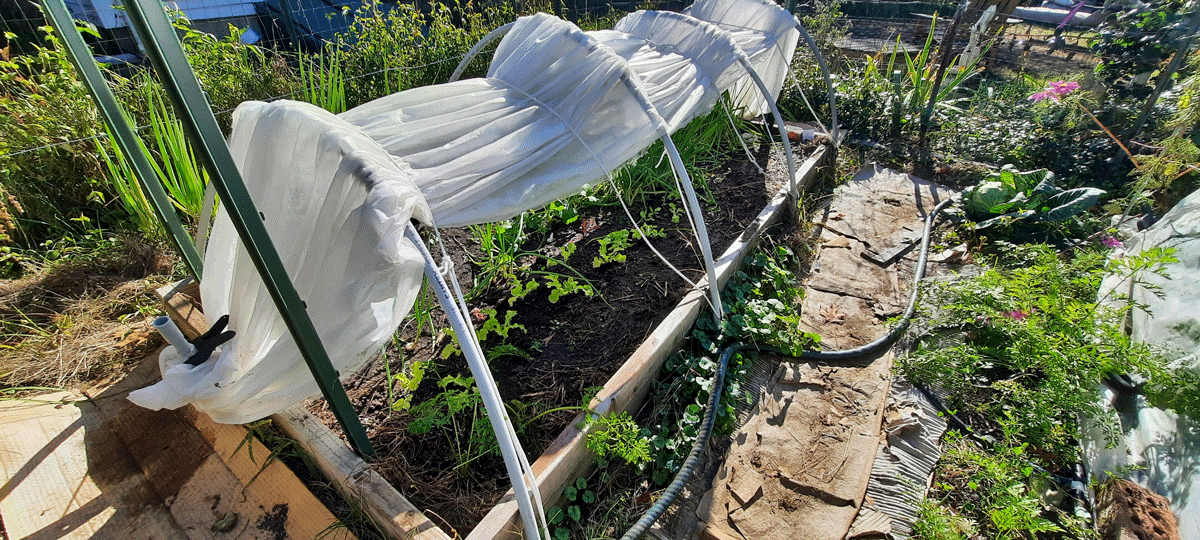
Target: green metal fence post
81 57
149 21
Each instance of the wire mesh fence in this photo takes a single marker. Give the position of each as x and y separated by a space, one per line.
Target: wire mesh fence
320 50
307 27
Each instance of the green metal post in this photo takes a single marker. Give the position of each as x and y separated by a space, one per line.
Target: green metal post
149 20
81 57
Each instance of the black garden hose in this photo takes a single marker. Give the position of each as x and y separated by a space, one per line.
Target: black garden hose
706 425
899 329
693 459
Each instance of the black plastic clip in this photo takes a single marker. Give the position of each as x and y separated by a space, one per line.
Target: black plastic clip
207 342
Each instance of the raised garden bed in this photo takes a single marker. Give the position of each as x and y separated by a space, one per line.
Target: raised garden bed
568 346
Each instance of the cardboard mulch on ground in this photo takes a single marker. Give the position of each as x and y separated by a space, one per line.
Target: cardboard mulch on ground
94 465
799 467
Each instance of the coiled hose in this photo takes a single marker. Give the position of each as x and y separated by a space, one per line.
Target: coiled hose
706 425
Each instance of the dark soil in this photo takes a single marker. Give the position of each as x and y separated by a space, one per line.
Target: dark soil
1021 48
575 344
275 522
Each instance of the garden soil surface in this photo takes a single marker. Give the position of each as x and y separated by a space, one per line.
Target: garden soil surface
572 345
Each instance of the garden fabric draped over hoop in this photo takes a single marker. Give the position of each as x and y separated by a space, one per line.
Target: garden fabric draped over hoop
558 110
766 33
554 114
335 205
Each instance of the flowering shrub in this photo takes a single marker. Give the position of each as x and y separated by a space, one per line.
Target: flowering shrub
1055 91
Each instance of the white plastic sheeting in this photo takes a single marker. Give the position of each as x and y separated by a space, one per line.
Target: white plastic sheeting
556 112
683 63
1164 446
765 33
336 206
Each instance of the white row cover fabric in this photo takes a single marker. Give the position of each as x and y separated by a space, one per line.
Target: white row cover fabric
335 205
766 33
558 110
541 127
554 114
683 64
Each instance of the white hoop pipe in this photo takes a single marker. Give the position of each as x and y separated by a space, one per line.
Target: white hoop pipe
832 93
510 447
478 47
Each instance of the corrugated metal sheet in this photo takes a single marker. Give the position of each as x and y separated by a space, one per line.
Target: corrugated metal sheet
904 463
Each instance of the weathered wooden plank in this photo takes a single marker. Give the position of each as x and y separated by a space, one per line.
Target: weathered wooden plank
181 302
49 489
247 458
395 516
568 457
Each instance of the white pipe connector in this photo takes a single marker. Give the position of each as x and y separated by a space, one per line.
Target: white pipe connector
174 336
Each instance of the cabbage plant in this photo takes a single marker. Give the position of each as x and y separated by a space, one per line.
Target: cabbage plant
1009 196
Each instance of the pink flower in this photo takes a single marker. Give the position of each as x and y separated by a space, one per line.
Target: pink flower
1017 314
1111 242
1055 90
1063 88
1044 95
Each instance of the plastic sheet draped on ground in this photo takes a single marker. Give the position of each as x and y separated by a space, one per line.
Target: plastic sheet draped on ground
1163 447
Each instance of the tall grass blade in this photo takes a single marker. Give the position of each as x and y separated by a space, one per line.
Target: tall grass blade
133 200
323 81
177 168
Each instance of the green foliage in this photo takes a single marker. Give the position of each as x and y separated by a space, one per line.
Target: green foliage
826 26
493 325
579 496
612 248
1135 42
504 261
231 72
50 172
171 157
560 286
322 81
54 164
1170 175
1165 177
394 47
1010 196
893 89
129 191
759 302
1037 343
402 385
704 142
936 522
457 413
991 494
614 244
763 302
617 436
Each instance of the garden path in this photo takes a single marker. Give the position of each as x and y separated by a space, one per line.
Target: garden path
803 459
